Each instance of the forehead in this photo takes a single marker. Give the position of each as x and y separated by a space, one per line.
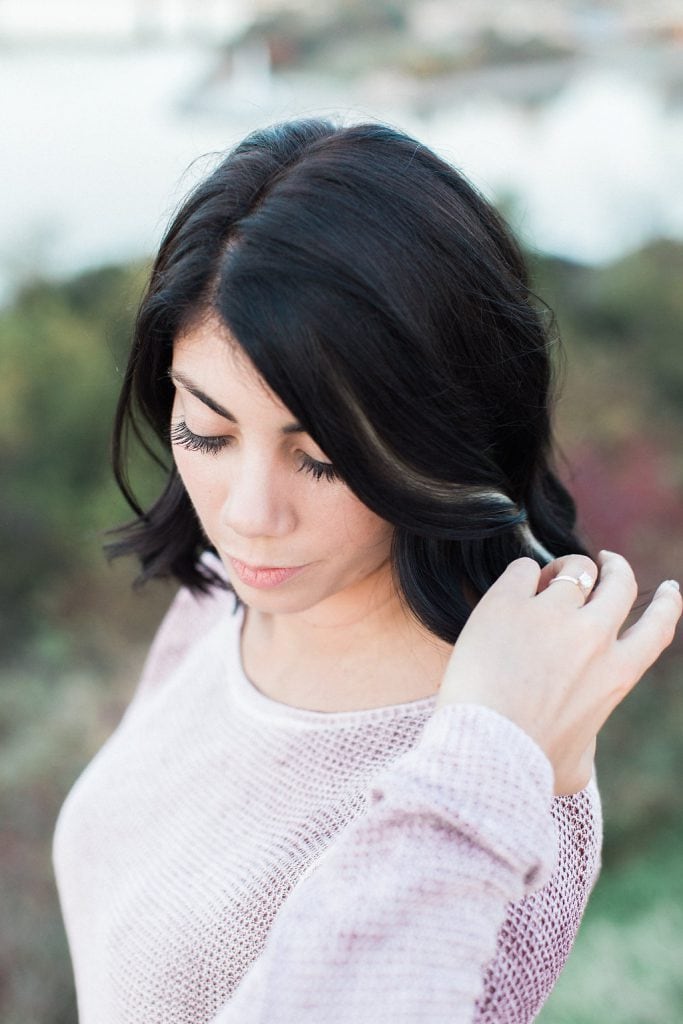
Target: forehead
208 342
209 356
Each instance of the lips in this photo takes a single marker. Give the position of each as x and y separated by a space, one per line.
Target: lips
263 577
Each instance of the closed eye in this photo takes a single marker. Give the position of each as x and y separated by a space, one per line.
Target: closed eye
210 445
182 435
319 470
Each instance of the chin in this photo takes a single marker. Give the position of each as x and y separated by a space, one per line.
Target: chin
275 600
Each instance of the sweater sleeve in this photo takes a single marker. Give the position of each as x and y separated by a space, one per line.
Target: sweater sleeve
398 920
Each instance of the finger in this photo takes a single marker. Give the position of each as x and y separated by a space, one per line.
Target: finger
569 578
520 578
643 642
615 590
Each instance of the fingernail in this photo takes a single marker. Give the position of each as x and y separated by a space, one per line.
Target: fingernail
605 552
672 583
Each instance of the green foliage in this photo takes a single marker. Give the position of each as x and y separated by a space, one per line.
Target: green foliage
63 350
631 311
346 38
625 967
51 723
322 38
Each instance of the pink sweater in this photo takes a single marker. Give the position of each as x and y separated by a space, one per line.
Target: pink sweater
228 859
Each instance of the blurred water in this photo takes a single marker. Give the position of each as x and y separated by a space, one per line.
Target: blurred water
97 148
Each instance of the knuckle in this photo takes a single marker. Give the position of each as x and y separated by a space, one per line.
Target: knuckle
524 564
629 577
621 687
580 564
665 632
621 675
624 569
631 584
621 559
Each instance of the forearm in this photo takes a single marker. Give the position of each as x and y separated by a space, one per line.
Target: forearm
399 918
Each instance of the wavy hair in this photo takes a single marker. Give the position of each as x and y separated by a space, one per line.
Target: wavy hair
385 302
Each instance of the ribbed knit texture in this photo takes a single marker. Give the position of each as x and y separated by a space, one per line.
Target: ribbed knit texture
227 859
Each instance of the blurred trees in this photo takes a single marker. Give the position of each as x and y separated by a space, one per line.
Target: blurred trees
631 313
346 37
63 351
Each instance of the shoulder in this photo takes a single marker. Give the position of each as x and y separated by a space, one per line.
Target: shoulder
190 617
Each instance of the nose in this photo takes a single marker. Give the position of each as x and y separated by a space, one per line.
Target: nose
258 499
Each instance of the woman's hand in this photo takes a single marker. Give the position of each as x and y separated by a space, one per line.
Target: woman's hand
550 657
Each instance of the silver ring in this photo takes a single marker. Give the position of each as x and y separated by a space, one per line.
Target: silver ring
584 581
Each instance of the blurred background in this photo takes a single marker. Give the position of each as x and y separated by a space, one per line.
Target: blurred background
569 116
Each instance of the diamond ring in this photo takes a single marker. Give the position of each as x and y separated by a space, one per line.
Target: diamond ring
584 581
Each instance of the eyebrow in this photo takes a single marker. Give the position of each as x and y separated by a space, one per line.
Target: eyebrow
175 375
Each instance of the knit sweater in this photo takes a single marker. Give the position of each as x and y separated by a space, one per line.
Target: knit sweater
229 859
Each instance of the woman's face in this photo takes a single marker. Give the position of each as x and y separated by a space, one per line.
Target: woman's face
264 492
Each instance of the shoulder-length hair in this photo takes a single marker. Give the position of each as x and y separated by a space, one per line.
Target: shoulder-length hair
387 305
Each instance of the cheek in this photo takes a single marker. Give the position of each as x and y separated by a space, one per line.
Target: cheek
199 479
355 527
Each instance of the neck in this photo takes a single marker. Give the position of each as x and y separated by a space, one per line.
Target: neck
354 650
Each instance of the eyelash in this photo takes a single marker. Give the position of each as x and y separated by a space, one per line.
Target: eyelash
183 436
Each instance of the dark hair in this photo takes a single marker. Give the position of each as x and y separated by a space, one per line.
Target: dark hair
383 300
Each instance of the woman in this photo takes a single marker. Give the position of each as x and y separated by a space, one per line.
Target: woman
321 807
